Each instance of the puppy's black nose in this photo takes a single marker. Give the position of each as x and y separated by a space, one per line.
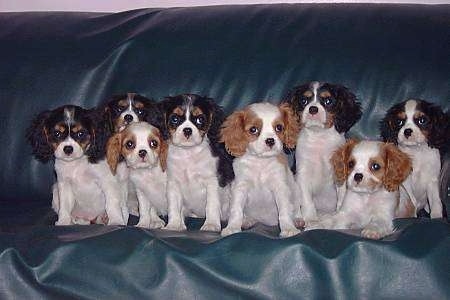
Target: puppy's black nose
407 132
128 118
313 110
270 142
358 177
68 150
187 132
142 153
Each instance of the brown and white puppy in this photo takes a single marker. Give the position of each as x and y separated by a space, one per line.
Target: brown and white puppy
263 188
198 167
422 130
372 172
145 153
86 191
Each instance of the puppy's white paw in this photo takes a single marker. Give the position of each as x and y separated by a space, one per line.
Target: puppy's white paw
230 230
371 233
116 221
436 214
63 221
289 232
178 226
211 227
299 223
310 225
156 224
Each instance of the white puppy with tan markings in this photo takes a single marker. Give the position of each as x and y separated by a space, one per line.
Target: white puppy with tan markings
372 172
262 188
145 152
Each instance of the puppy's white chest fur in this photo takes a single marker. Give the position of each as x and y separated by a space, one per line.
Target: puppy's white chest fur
314 171
151 184
191 169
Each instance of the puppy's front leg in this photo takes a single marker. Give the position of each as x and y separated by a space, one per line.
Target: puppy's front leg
238 199
212 221
144 210
175 207
341 190
434 199
115 205
66 203
308 208
283 195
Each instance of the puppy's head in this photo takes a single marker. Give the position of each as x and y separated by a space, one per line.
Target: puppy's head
369 166
121 110
140 144
324 105
260 129
67 133
415 122
189 118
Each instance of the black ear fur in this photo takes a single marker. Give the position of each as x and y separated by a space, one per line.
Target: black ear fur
349 109
37 138
440 132
387 132
155 116
293 97
99 134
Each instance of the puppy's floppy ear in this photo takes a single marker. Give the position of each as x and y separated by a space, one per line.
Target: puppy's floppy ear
398 167
113 149
99 135
154 116
291 126
216 120
233 133
163 148
293 98
388 128
348 110
439 136
37 136
339 161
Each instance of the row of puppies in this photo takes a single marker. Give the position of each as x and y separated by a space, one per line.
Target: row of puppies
256 136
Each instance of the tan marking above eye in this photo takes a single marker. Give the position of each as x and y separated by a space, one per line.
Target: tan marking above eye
123 103
196 111
418 114
77 127
401 115
138 104
60 127
325 94
179 111
308 94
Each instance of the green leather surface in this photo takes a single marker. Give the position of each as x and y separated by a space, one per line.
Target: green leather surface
236 54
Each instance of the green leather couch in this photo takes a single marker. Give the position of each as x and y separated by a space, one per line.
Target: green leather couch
236 54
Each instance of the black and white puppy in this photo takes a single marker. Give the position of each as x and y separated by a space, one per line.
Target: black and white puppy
422 130
326 112
86 191
198 167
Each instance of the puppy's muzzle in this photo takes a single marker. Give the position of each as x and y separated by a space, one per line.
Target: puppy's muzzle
358 177
270 142
142 153
68 150
187 132
313 110
408 132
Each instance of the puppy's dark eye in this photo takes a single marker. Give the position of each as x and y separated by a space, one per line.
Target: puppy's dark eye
422 120
153 144
304 101
57 134
253 130
174 119
351 164
118 109
375 167
279 128
400 122
129 145
81 134
140 112
328 101
200 120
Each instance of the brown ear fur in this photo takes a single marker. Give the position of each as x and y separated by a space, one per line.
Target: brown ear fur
233 134
113 147
398 167
339 161
291 126
163 148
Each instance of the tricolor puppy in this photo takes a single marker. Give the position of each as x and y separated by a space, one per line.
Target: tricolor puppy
198 167
120 111
262 190
422 130
145 152
326 112
372 172
86 191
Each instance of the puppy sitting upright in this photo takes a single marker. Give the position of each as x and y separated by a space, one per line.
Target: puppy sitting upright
326 111
145 152
198 166
372 172
422 130
262 190
86 191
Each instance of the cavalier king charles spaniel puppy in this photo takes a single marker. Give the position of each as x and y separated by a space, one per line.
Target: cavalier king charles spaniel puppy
262 190
86 191
326 112
372 172
422 130
120 111
198 167
145 153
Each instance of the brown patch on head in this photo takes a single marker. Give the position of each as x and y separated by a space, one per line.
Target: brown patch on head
123 103
290 126
308 94
401 115
60 127
75 128
138 104
161 149
325 94
397 166
196 111
343 162
235 132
